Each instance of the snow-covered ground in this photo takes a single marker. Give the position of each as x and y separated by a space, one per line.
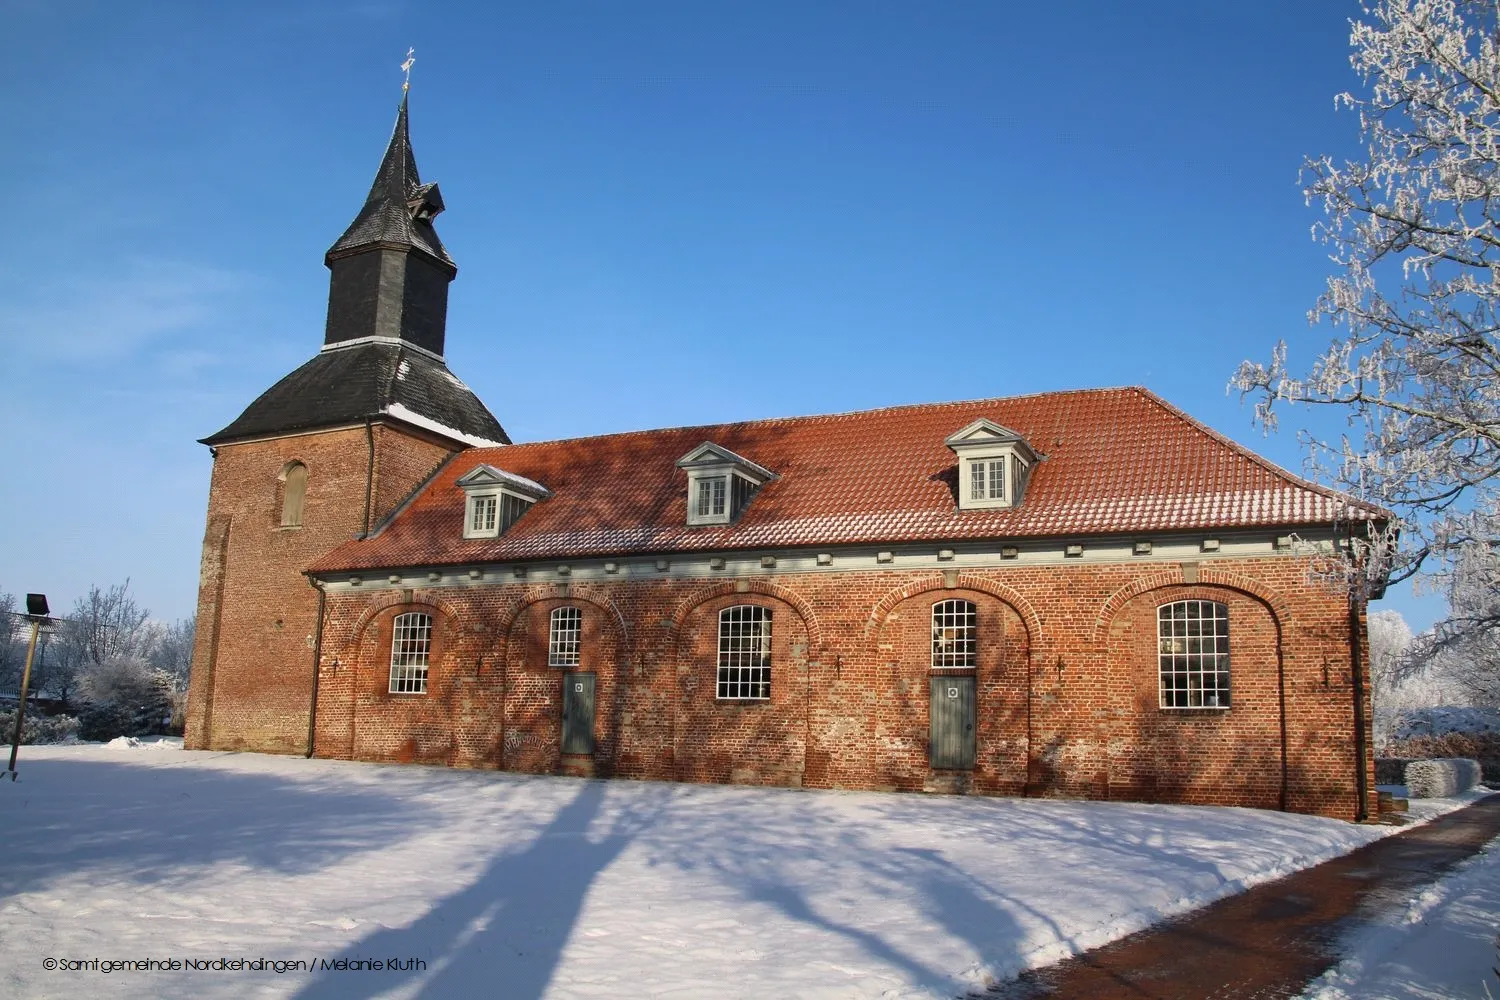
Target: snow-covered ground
486 884
1443 947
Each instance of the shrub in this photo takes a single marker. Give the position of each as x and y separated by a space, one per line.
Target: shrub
1435 779
39 728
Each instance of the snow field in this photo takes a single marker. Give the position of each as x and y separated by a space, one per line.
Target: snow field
516 886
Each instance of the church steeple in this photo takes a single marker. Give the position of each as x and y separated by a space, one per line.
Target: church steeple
390 271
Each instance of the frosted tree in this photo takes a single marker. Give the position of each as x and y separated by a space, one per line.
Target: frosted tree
1414 229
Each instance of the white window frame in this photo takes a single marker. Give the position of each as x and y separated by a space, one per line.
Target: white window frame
472 505
955 635
1200 661
565 637
986 447
709 462
743 663
411 652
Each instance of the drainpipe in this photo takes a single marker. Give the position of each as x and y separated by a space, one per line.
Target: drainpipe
1356 671
312 708
369 476
1357 679
1281 705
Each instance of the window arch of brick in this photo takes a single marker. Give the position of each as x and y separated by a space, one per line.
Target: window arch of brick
1192 640
293 494
744 661
955 635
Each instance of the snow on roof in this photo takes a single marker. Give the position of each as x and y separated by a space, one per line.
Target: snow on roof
426 423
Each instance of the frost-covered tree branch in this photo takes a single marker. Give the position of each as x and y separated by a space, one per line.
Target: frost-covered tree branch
1413 228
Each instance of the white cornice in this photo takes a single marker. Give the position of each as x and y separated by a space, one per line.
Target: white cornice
1181 547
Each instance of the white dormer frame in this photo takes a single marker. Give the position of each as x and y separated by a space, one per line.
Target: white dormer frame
487 511
994 465
725 481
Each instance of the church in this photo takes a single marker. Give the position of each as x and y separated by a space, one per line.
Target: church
1071 594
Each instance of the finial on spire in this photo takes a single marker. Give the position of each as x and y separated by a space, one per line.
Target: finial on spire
411 57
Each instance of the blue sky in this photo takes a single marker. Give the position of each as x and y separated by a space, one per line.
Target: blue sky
663 214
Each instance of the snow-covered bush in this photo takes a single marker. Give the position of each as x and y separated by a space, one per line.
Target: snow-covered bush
39 728
1435 779
124 696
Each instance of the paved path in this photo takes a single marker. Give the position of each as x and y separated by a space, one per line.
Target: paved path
1274 939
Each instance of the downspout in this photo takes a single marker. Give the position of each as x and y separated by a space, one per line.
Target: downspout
1356 671
312 708
369 476
1030 748
1281 704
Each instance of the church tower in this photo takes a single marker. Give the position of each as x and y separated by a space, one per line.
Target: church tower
324 455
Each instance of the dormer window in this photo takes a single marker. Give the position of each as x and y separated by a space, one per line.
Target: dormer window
994 464
720 483
495 500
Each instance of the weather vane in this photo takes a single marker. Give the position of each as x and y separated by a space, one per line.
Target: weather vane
411 57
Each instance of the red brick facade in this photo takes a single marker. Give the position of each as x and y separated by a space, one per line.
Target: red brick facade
1066 680
252 664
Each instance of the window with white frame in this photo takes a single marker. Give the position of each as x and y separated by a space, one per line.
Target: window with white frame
994 464
954 635
1193 654
483 511
411 646
495 500
987 478
745 653
563 637
712 498
720 483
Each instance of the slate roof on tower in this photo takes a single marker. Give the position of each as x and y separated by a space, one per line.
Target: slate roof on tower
387 316
392 212
348 384
1114 461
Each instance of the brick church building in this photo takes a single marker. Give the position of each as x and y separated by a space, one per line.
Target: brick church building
1079 593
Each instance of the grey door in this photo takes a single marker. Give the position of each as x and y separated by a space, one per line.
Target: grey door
578 713
951 739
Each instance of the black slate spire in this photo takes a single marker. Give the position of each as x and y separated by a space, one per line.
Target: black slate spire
387 307
390 270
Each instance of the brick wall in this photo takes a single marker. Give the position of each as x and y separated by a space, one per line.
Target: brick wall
1066 683
251 679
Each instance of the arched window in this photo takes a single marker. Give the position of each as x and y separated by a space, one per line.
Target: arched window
954 635
294 491
745 653
411 646
563 637
1193 654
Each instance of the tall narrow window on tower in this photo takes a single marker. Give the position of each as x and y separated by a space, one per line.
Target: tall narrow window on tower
293 494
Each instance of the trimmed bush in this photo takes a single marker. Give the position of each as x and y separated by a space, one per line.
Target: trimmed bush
1435 779
39 728
1483 747
1391 770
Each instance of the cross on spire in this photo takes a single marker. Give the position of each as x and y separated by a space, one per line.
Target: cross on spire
411 57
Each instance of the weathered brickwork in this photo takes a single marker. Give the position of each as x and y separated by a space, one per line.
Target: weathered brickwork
251 682
1066 679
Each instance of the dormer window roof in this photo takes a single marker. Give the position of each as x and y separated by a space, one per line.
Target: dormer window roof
495 499
720 483
994 465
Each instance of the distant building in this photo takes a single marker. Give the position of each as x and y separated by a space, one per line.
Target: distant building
1067 594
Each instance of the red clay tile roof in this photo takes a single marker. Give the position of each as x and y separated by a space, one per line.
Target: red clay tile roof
1115 461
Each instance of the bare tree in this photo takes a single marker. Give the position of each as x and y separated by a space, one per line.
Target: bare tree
1414 228
172 650
103 625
